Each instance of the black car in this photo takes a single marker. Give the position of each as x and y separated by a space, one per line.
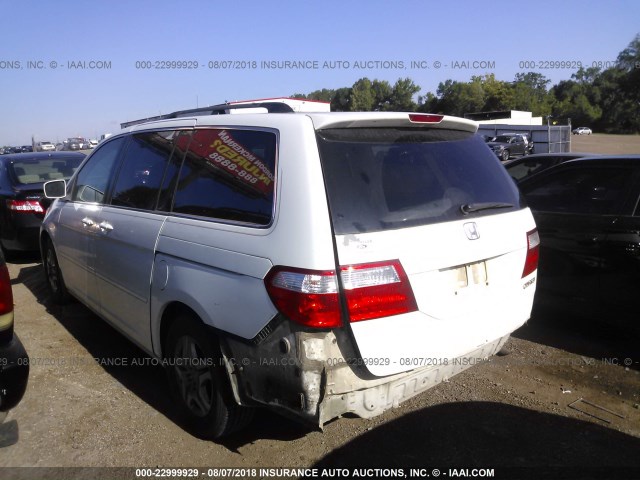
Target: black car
524 167
22 205
588 216
14 361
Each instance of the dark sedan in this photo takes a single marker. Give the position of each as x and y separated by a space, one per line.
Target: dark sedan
588 217
21 196
524 167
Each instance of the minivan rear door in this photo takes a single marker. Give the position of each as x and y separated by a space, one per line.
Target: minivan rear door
432 209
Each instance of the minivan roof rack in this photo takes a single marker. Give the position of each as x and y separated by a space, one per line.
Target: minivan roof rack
221 109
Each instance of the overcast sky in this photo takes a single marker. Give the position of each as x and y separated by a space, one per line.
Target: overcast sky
70 68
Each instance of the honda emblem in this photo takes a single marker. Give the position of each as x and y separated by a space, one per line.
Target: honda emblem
471 229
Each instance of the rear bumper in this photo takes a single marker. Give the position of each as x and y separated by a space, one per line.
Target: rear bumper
22 232
14 373
307 376
373 401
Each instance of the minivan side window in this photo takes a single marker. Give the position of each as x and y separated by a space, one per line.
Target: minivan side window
228 174
92 181
143 167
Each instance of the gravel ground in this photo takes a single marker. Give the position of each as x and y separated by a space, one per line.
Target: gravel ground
514 410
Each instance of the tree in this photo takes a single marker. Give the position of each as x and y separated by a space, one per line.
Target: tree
456 98
362 96
402 96
499 95
530 94
382 92
626 115
341 100
571 101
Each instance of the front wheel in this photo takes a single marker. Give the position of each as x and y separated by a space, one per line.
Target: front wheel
505 155
198 381
53 274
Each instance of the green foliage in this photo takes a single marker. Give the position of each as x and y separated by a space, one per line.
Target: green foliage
607 100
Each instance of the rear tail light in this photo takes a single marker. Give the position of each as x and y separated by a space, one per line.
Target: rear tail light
375 290
25 206
533 253
310 297
6 294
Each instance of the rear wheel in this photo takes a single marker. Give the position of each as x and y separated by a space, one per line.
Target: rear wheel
53 274
198 381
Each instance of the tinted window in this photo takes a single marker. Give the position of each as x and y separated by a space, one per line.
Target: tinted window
527 167
581 190
381 179
228 175
42 170
92 181
143 167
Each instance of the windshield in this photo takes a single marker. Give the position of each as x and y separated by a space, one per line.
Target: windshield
388 178
38 171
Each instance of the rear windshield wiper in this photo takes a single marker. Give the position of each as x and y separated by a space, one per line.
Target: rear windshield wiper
476 207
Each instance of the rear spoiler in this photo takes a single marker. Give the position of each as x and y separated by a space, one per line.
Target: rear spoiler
223 108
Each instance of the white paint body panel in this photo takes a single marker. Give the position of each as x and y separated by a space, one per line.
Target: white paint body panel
451 321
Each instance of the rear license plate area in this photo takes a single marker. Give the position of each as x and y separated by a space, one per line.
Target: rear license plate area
467 276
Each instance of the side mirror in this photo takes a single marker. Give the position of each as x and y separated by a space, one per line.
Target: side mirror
55 189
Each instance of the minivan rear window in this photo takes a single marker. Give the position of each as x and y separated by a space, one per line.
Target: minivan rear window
388 178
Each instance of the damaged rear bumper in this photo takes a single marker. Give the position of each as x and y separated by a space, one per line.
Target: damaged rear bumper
367 402
304 375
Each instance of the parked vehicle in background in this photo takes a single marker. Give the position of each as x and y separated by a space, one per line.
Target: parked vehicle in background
22 205
76 143
14 361
588 216
45 147
523 167
26 148
374 254
582 131
507 145
93 144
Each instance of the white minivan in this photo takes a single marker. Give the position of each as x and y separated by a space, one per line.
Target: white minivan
315 263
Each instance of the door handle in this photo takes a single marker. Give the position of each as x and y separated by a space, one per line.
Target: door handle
87 222
105 227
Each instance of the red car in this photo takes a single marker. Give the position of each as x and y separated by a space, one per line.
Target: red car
14 361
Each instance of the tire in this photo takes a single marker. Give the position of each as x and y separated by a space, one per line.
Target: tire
505 155
199 383
53 275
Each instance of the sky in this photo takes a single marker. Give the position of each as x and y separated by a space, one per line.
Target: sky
77 68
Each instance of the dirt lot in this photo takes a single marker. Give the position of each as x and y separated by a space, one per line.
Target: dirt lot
603 143
512 411
562 402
